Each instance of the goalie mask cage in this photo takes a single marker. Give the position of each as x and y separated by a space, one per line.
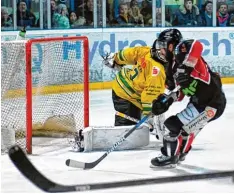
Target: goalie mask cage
44 90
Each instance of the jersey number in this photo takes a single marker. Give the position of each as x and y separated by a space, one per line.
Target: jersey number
132 77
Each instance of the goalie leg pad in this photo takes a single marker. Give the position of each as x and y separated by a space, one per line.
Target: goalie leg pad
103 138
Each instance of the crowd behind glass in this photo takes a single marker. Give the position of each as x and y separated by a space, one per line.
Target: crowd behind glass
73 14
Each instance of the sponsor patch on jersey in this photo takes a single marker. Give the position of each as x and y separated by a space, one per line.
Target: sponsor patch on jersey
210 113
155 71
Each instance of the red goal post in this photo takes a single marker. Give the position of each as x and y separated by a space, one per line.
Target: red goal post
55 89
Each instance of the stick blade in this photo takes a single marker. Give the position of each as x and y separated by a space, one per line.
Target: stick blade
81 165
75 164
22 163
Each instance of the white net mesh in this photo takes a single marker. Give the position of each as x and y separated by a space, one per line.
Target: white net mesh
58 96
13 110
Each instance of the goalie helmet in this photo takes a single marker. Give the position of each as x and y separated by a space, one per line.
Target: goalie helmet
168 40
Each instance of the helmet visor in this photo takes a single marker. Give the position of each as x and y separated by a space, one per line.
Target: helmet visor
160 44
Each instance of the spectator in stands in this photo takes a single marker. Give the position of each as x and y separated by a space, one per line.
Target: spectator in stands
6 19
206 13
231 19
60 18
134 11
24 16
99 13
88 12
76 22
223 18
187 15
110 10
53 10
124 19
146 11
53 7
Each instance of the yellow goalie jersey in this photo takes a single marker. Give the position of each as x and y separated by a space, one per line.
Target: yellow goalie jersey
142 83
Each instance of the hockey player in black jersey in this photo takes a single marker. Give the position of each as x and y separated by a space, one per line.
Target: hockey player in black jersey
207 102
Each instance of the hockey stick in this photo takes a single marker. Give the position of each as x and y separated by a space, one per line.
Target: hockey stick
90 165
23 164
134 120
130 118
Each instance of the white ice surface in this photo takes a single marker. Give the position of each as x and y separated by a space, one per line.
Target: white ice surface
213 150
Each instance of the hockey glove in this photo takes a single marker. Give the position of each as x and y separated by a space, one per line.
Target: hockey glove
108 61
161 104
183 79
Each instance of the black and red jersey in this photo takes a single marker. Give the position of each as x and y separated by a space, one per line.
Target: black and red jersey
205 87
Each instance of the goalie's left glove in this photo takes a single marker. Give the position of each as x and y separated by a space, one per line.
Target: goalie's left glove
109 61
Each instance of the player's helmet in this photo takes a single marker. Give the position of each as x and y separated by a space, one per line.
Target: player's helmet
182 57
165 39
182 51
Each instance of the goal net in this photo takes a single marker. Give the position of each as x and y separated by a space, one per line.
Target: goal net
44 91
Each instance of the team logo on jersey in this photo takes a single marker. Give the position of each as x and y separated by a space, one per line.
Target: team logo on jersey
155 71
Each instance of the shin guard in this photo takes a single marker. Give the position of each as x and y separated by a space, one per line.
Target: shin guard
172 144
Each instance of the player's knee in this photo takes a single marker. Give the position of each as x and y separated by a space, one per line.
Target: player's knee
174 125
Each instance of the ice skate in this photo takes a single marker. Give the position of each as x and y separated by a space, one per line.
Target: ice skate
167 161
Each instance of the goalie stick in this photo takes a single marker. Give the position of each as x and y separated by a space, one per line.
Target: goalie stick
22 163
90 165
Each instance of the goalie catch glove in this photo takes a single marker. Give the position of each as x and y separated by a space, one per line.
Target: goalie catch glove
109 61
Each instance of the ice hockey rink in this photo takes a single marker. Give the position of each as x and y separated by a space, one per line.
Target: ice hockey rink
213 150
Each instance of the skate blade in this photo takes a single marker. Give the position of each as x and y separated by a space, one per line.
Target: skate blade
168 166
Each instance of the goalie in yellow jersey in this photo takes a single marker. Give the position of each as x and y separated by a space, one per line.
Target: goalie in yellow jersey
140 80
